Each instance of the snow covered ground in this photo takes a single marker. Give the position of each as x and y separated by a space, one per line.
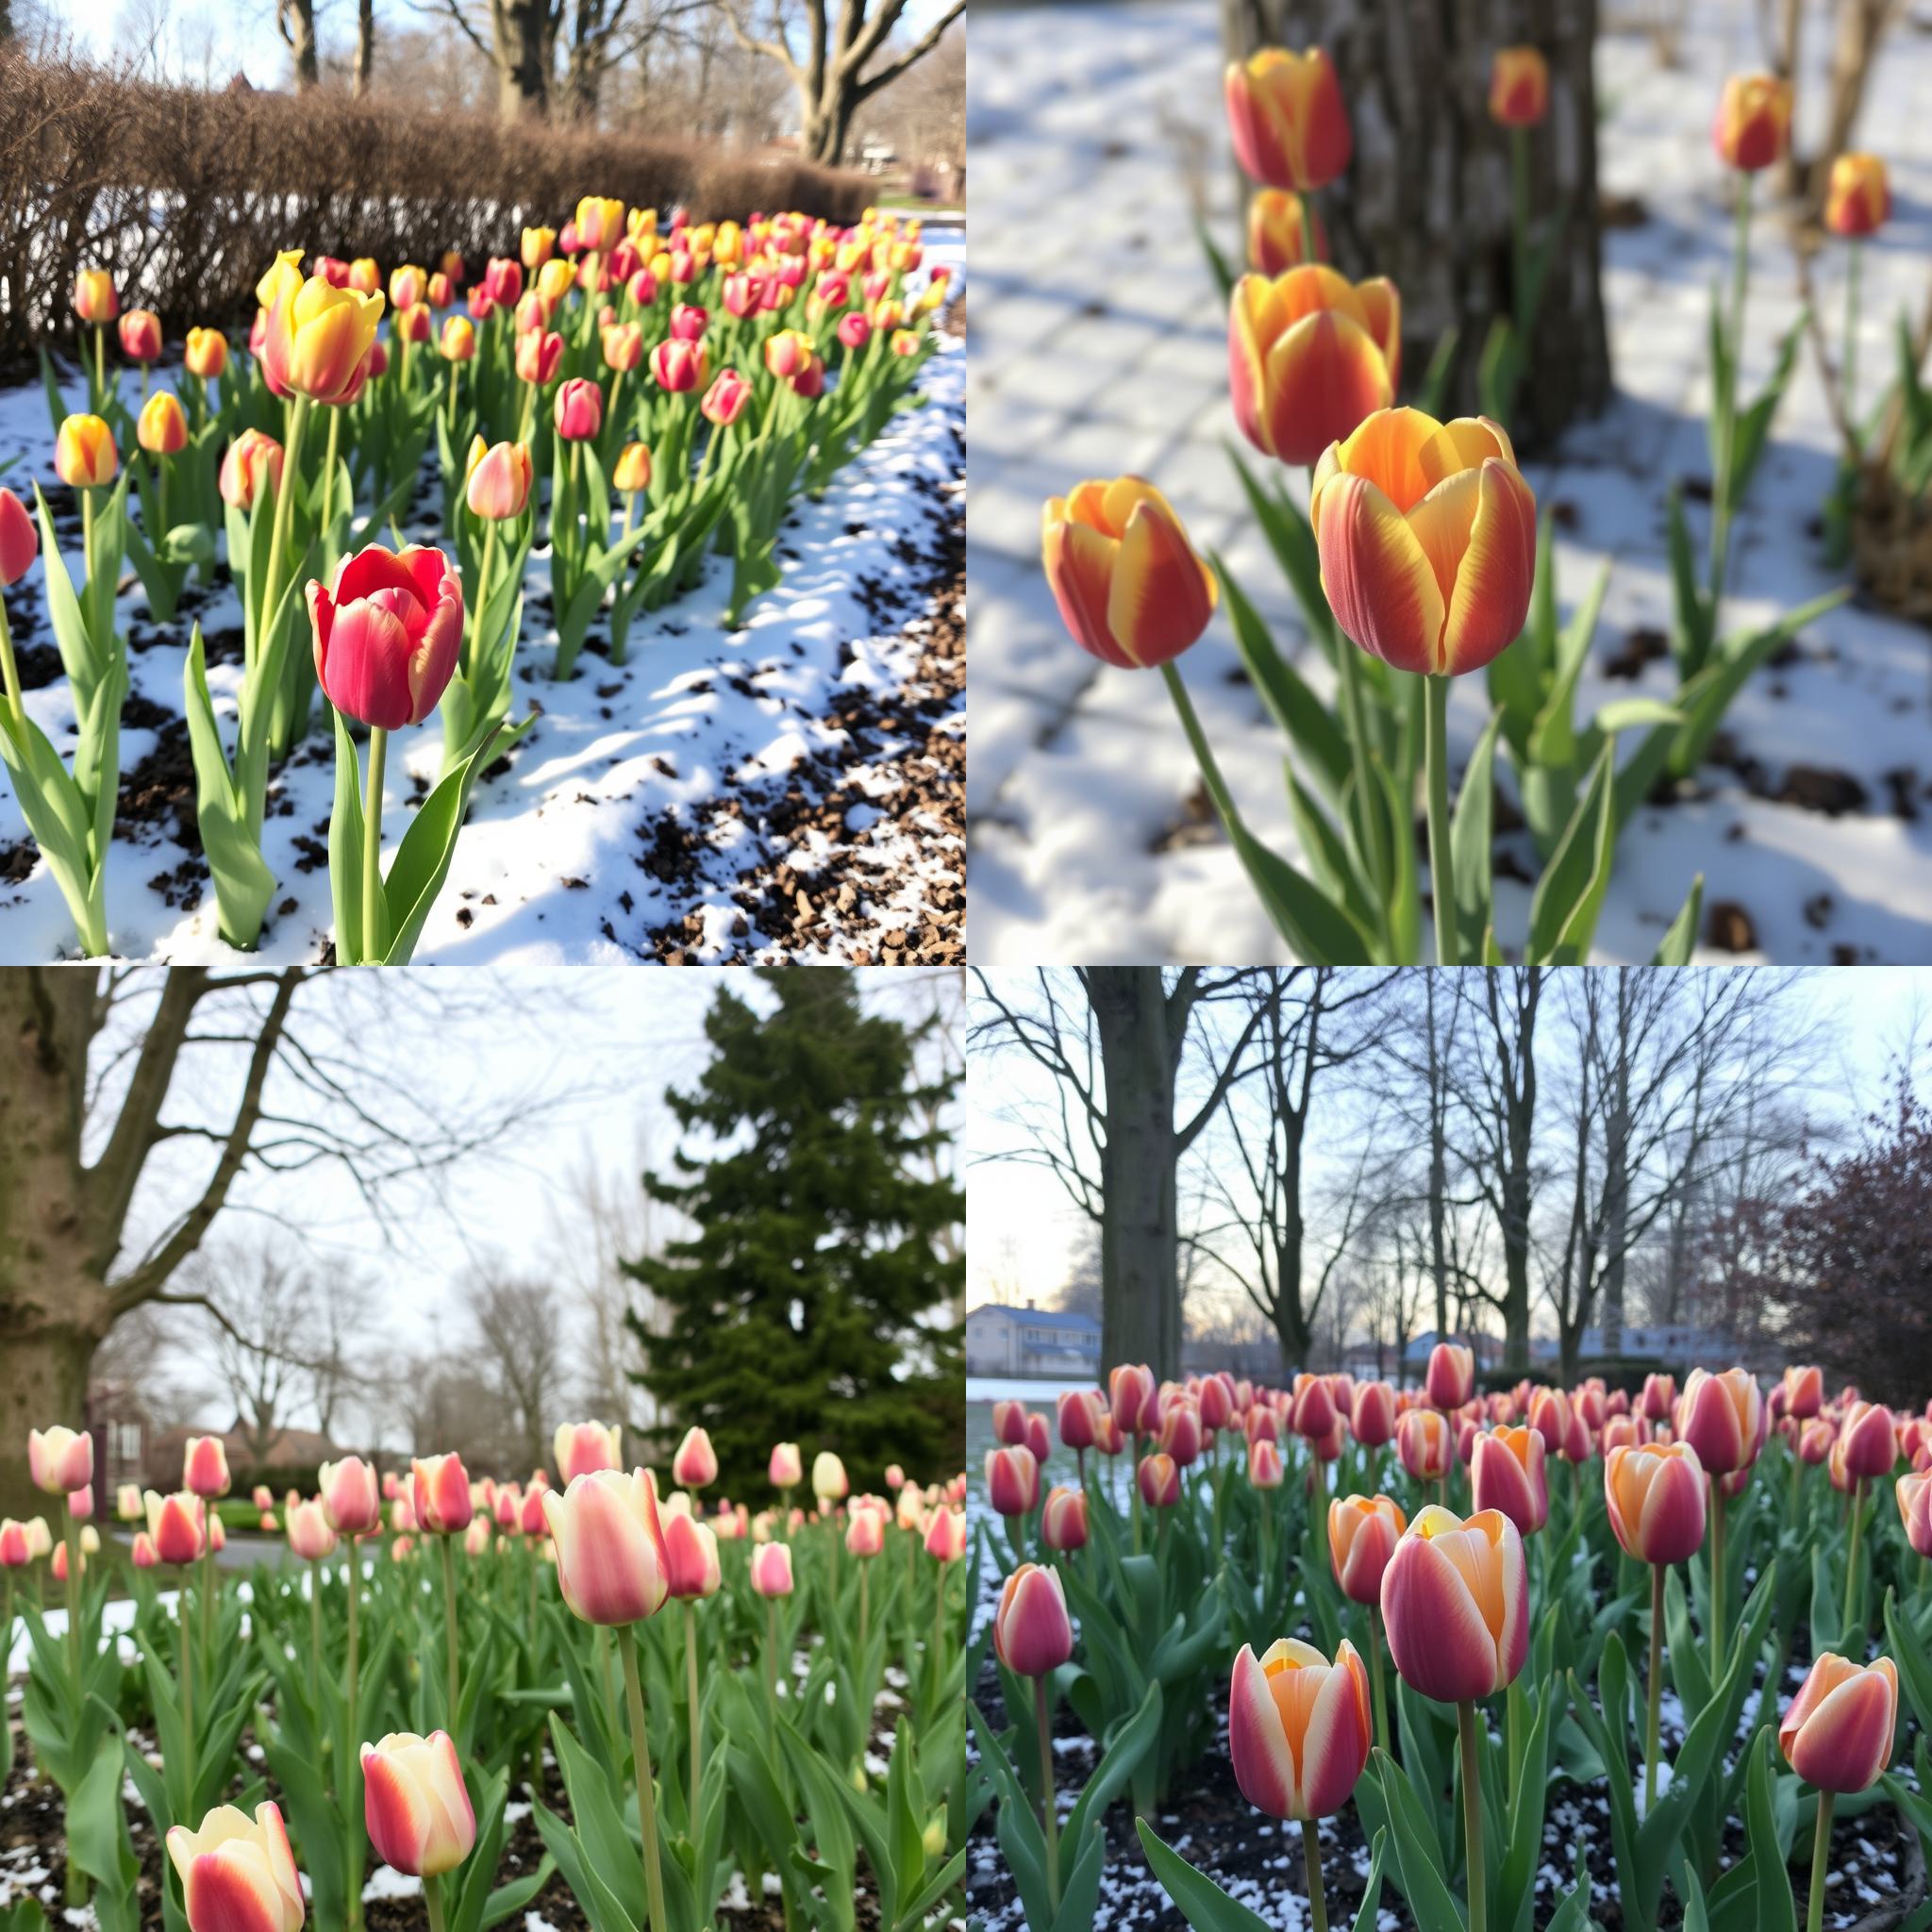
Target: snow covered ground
1101 348
634 816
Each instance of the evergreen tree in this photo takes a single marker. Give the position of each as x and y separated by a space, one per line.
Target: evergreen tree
813 1302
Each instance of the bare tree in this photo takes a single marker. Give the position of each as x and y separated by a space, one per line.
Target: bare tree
518 40
295 22
365 47
263 1302
838 74
520 1339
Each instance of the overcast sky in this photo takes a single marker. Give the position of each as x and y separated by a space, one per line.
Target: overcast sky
1023 1234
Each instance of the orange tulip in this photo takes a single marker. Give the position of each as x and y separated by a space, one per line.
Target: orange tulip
1506 1473
1423 1440
1362 1535
1298 1727
1427 539
1858 198
162 429
1518 87
1129 584
632 472
1456 1605
316 339
84 453
1656 1496
96 298
1310 355
499 480
1286 114
1275 233
1754 121
206 353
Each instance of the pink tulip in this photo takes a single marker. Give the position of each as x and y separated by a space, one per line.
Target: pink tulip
205 1466
691 1558
144 1553
20 542
696 1465
1656 1496
1450 1379
1871 1441
786 1470
1837 1732
415 1802
727 399
945 1535
1013 1481
771 1570
1506 1473
610 1554
310 1535
688 323
1314 1407
387 637
1009 1425
440 1494
579 411
1031 1633
1063 1520
80 1504
141 336
1077 1415
1159 1478
1423 1442
1373 1416
1181 1434
176 1525
1722 1417
61 1461
1298 1727
238 1875
1265 1463
865 1531
350 1497
503 282
1803 1391
1362 1535
1132 1393
1456 1605
678 366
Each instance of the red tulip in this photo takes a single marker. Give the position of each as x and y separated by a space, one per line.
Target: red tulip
387 638
1012 1480
1063 1520
1456 1605
440 1494
1506 1473
1362 1535
1031 1633
1655 1497
611 1560
415 1802
238 1875
691 1558
1837 1732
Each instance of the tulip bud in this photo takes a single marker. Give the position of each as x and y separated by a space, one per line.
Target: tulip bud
350 1497
1803 1391
1506 1473
696 1465
538 246
1159 1478
128 1503
1450 1378
787 1469
691 1558
415 1802
945 1538
828 1480
1656 1496
499 488
439 1493
1362 1535
1423 1442
1857 201
310 1535
679 366
1031 1633
1518 87
726 400
1722 1417
238 1875
1456 1605
855 330
1012 1480
177 1523
1754 121
1129 587
141 336
1298 1727
143 1553
1265 1463
20 542
84 453
1063 1520
96 298
457 341
632 472
1373 1420
206 353
771 1570
1286 115
61 1461
610 1553
251 458
1837 1732
865 1533
579 411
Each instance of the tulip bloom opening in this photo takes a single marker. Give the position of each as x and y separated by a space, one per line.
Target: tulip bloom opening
1310 356
1286 115
1129 587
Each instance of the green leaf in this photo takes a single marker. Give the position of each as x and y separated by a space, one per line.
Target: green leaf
345 834
243 884
423 861
1200 1902
1569 894
1309 725
1472 832
1293 544
1416 1853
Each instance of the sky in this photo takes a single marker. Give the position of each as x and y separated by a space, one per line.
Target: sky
1024 1234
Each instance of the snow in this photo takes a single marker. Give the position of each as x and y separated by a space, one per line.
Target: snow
1096 122
551 867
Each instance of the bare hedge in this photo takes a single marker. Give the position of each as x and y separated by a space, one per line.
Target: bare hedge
187 195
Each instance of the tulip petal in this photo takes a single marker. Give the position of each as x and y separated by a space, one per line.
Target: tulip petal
231 1890
1263 1762
1324 378
1335 1744
1437 1635
1492 587
1379 581
1390 449
1160 598
1079 568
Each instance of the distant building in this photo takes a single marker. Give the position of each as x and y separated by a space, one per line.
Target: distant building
291 1449
1003 1341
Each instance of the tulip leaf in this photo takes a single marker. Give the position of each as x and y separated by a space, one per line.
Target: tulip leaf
345 835
1200 1902
1329 853
79 653
56 813
1554 740
1472 831
98 1841
1293 544
1773 1910
1914 1666
243 884
1122 1756
423 861
1569 894
1417 1854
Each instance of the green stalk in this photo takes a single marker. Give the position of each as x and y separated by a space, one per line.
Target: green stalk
71 1530
9 671
372 940
285 506
690 1693
1312 1856
1376 1681
449 1560
208 1595
647 1800
1727 401
1305 201
432 1894
1718 1646
772 1656
1857 256
1655 1691
1514 1711
349 1773
1049 1818
1852 1558
473 656
1441 876
1472 1815
1821 1856
187 1679
315 1636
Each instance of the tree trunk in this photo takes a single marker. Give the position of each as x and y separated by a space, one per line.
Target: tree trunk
1140 1233
43 1376
298 29
365 46
522 61
1616 1195
1427 200
1439 1184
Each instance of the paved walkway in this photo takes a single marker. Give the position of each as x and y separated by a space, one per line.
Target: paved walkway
1100 347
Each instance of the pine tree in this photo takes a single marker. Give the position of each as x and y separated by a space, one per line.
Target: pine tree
813 1302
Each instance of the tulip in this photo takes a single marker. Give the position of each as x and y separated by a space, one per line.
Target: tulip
1129 587
1549 1416
1131 1388
458 342
440 1492
498 487
477 1537
350 1497
61 1461
1264 1464
175 1523
1456 1605
1286 115
865 1533
945 1538
205 1466
416 1806
1280 229
1423 1442
696 1465
317 339
1310 356
311 1536
538 356
1518 87
1722 1418
503 281
679 366
691 1558
1298 1732
387 637
786 1468
631 473
611 1560
162 429
128 1507
1063 1520
1754 121
624 346
828 1479
141 336
1803 1391
1837 1734
238 1875
95 299
1858 199
1656 1498
1659 1397
1012 1480
539 244
579 411
583 1448
1868 1444
144 1556
84 453
1914 1492
1506 1473
556 279
727 399
1031 1633
1159 1480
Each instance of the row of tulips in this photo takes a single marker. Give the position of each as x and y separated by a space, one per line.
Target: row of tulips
566 396
394 1707
1533 1606
1420 556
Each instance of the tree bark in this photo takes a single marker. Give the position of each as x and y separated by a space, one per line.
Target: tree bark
1427 200
296 19
523 49
365 46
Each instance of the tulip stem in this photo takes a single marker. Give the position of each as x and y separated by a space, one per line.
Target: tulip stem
1376 1680
350 1770
1049 1815
432 1897
690 1693
1853 255
1471 1814
449 1560
647 1801
1717 1580
1442 880
1654 1693
187 1682
1852 1558
100 365
70 1529
1821 1857
207 1588
1210 772
278 534
865 1606
372 956
315 1636
1311 1856
9 670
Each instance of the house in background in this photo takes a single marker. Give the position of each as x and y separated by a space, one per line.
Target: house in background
289 1452
1005 1340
